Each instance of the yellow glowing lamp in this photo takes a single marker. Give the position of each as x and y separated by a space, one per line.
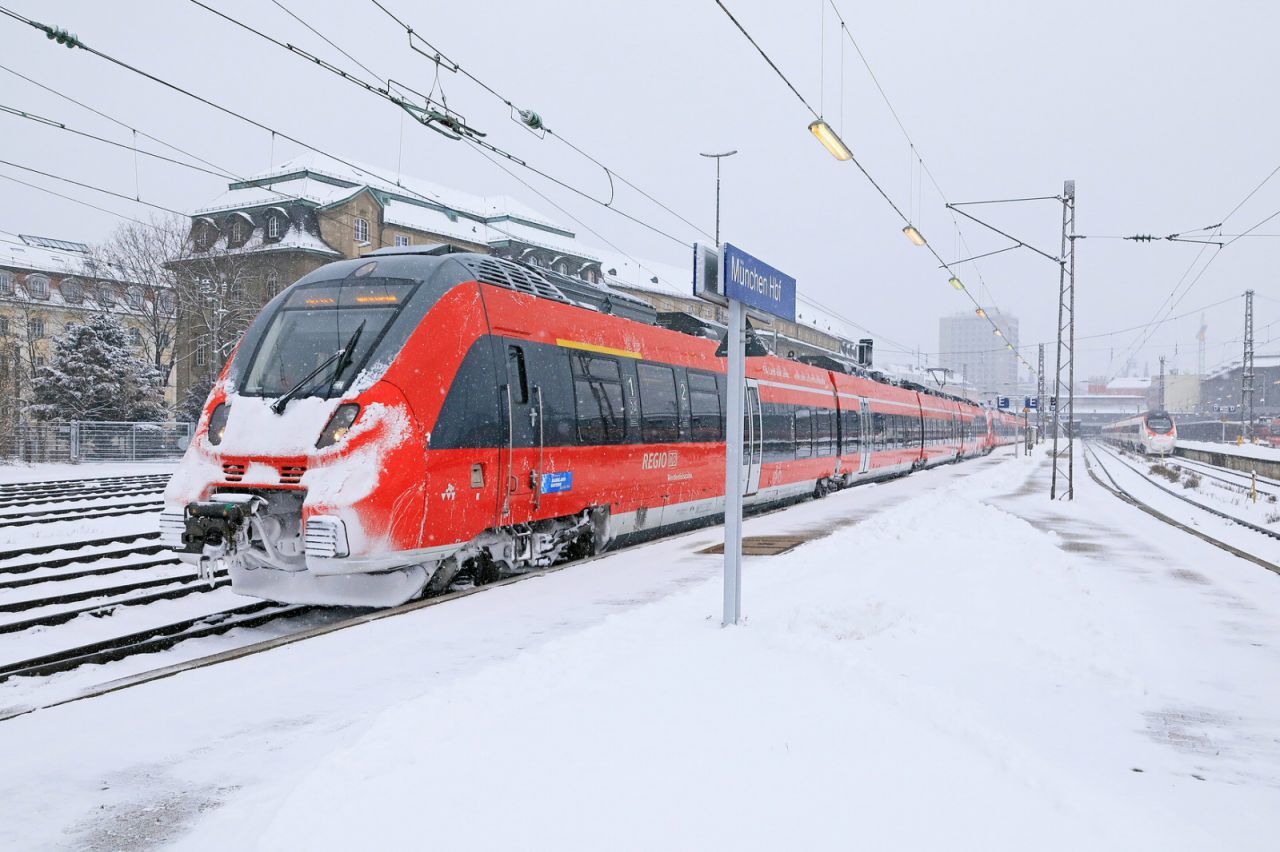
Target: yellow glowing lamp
830 140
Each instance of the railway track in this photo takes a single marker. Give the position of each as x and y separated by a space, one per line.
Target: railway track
1119 491
255 614
1266 487
1184 498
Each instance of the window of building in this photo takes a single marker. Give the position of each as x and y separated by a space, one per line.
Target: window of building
106 295
402 240
597 388
135 337
204 234
272 283
36 328
163 339
202 353
38 286
659 404
165 301
562 267
72 291
362 230
4 325
706 421
6 283
40 362
273 227
134 297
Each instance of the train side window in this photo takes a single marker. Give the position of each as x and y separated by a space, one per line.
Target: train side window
517 375
597 390
822 432
704 408
804 433
659 408
852 430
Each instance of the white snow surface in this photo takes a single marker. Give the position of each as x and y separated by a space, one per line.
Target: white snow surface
1253 451
958 664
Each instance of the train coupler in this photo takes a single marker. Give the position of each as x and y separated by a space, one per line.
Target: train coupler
218 528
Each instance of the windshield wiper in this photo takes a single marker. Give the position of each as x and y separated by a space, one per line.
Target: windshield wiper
343 356
348 355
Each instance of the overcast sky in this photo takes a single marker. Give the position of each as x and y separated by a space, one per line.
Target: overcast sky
1164 114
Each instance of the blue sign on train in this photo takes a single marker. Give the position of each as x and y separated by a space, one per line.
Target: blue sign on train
757 284
554 483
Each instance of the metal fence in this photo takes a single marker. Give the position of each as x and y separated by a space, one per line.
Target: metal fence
103 441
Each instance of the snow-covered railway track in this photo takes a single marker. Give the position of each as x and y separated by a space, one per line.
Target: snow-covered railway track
1235 519
8 501
62 486
153 639
1266 487
53 516
1127 496
182 586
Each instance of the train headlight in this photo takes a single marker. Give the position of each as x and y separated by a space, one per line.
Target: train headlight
338 426
218 423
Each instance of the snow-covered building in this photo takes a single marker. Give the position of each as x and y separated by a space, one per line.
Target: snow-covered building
46 284
311 210
1221 388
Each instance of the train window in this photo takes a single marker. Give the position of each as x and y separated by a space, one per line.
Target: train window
516 375
659 409
706 422
822 445
852 429
597 390
779 439
804 433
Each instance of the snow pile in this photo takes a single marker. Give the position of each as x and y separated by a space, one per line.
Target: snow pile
939 677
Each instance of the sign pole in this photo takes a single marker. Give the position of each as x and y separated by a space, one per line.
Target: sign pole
728 276
737 370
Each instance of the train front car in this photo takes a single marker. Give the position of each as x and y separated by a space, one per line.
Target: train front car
305 478
1159 433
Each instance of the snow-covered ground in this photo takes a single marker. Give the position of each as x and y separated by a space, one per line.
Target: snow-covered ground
957 664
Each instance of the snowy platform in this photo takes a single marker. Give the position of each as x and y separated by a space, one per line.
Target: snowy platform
1248 451
956 664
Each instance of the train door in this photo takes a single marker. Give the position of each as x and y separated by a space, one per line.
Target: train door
752 439
520 489
864 445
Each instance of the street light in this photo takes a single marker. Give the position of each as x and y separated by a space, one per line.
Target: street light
830 140
981 313
718 158
914 235
955 282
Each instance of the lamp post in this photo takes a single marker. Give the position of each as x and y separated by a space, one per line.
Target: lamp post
718 158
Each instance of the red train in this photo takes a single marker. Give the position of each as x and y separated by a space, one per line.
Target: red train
396 423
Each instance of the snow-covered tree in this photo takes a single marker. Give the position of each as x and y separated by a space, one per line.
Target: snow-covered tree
95 374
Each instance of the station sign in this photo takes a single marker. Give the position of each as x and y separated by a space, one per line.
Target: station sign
1229 409
1033 402
757 284
1002 402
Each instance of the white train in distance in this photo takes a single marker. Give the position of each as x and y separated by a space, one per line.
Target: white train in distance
1152 434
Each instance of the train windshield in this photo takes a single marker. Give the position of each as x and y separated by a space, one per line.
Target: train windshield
312 327
1159 423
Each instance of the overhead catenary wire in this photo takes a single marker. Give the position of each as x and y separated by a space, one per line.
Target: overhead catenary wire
402 103
870 179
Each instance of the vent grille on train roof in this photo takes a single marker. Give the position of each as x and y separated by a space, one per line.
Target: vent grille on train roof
512 276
